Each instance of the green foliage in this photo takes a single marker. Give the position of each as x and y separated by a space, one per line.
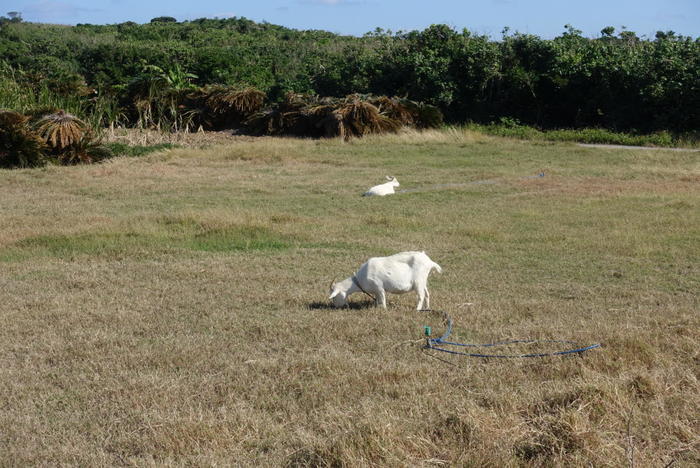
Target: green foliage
19 145
157 96
164 19
12 17
144 75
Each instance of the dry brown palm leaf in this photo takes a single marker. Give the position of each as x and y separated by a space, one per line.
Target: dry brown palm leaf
61 129
362 118
428 116
387 124
396 109
244 101
10 118
297 99
84 151
266 122
19 145
321 109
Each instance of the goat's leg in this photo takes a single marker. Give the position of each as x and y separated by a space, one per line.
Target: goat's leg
421 298
421 288
381 298
427 298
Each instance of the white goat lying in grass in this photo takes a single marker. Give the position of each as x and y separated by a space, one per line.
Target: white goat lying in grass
387 188
398 274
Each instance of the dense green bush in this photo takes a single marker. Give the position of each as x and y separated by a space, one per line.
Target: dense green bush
119 73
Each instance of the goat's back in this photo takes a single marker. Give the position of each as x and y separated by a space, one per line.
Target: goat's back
412 259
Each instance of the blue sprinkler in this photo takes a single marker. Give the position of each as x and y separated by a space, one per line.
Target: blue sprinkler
438 345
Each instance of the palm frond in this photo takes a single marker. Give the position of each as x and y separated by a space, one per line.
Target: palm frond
395 108
245 101
10 118
19 145
428 116
353 116
84 151
61 129
360 118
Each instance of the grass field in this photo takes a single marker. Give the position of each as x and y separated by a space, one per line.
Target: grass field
172 309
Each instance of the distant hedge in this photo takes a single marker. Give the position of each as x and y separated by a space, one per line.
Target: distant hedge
616 81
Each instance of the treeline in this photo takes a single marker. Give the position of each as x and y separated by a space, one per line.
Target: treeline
617 81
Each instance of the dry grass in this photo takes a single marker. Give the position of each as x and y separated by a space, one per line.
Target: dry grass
144 137
172 310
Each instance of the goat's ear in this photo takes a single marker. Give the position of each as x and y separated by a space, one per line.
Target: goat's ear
333 294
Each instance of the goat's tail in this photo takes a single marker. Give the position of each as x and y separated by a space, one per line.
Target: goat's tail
437 267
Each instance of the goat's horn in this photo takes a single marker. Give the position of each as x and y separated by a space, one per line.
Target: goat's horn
332 282
388 178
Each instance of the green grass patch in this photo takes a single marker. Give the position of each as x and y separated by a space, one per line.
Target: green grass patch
128 244
232 239
124 149
513 129
93 244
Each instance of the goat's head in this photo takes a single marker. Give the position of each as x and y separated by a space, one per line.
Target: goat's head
392 180
338 294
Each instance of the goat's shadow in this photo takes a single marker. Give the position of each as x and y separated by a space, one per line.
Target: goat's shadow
355 305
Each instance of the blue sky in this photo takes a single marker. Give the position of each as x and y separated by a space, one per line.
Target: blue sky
545 18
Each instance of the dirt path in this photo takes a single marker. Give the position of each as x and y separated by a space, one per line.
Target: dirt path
658 148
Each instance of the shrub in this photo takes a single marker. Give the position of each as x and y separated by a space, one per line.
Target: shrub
225 100
219 106
61 130
353 116
70 140
86 150
357 117
19 145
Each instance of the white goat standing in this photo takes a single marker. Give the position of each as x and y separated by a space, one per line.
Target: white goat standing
398 274
387 188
